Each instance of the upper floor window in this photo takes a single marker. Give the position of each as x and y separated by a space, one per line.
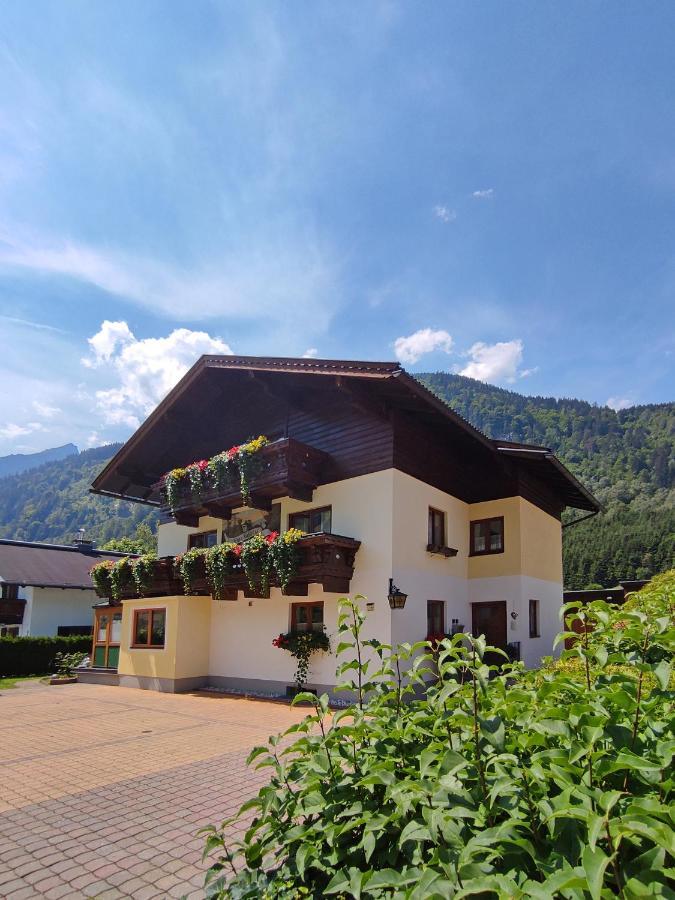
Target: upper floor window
312 521
149 628
203 539
9 591
487 536
307 616
436 533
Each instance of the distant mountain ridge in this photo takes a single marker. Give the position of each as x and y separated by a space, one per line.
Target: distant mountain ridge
22 462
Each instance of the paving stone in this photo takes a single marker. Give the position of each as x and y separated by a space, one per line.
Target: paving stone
94 804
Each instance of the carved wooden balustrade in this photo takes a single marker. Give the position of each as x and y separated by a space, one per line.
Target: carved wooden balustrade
283 468
325 559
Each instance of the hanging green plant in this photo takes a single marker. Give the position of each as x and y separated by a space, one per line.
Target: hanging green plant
100 575
257 561
249 465
301 645
172 485
120 577
186 565
220 561
285 556
142 571
236 466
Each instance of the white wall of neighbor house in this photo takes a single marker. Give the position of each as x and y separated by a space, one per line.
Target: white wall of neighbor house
242 631
47 608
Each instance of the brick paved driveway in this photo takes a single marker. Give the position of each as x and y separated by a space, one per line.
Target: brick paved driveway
103 788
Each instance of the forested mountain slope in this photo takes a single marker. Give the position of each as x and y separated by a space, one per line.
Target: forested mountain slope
626 458
52 502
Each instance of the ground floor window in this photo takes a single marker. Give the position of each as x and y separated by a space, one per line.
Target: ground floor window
149 628
307 616
9 631
435 617
534 618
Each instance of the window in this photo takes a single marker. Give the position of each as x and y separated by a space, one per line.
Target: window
534 618
435 617
312 521
149 626
307 616
9 631
487 536
9 591
436 528
203 539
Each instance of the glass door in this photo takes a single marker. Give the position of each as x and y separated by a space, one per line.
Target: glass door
107 637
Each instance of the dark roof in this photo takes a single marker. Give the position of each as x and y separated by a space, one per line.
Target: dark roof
130 472
49 565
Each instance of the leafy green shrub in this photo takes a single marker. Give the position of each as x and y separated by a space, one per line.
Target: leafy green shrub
66 662
497 783
37 655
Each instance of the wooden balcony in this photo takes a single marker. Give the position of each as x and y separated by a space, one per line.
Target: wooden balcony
325 559
286 468
11 612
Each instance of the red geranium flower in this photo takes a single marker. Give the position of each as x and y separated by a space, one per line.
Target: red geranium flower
271 537
237 549
232 451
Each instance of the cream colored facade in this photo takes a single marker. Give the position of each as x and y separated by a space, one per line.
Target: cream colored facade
230 643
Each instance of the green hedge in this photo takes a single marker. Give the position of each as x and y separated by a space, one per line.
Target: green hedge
35 655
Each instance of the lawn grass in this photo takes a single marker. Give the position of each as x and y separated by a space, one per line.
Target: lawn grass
6 683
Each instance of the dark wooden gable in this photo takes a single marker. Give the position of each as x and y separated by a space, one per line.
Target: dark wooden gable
366 416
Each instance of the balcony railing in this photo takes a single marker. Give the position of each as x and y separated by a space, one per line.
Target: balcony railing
284 468
325 559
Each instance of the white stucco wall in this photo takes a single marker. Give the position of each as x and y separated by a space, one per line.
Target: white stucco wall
388 512
47 608
242 631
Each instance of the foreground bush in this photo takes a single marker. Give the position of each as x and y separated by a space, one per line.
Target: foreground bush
37 655
549 784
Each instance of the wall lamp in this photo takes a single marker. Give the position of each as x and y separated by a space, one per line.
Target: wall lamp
396 597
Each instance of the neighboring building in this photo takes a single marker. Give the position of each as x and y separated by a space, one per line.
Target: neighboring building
389 482
45 589
616 595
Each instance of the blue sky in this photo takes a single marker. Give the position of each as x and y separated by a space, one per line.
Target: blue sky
478 187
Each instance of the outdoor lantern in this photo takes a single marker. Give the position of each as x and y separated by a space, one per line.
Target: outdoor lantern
396 597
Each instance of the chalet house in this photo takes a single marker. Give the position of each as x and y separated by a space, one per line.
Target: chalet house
46 589
395 492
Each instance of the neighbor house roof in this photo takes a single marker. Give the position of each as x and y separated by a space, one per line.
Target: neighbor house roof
131 471
49 565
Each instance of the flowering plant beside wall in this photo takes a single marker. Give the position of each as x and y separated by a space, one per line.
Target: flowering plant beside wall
111 577
301 645
221 472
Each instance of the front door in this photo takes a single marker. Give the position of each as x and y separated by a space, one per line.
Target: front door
107 636
490 619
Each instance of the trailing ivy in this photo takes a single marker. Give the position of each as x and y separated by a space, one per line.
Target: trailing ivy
285 556
257 562
142 571
220 562
499 783
186 565
111 577
222 472
100 575
301 645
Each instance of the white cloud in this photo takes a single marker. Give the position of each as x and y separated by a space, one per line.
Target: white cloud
409 349
278 279
145 370
310 353
618 403
47 412
484 194
445 214
94 439
525 373
494 362
11 430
